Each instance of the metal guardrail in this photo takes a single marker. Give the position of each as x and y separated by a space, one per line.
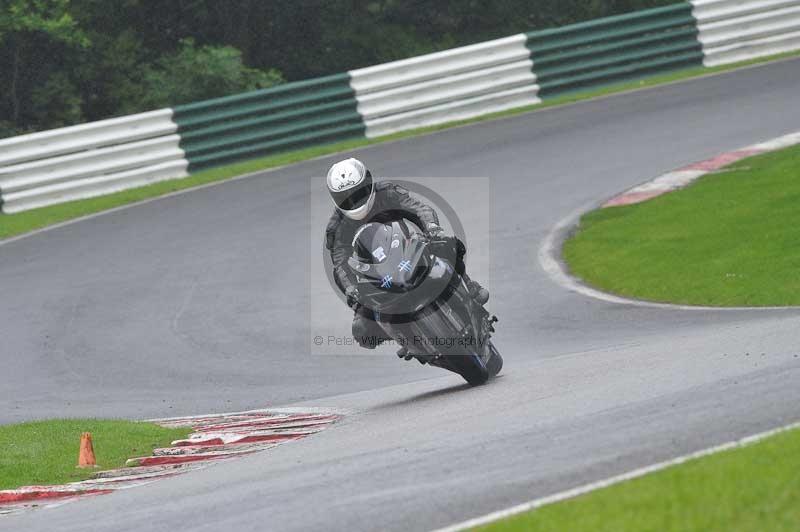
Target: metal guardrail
613 49
444 86
738 30
89 160
262 122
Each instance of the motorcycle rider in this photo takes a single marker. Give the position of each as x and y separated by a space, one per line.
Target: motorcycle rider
359 201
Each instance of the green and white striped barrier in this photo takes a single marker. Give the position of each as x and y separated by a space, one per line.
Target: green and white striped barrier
524 69
445 86
737 30
288 116
613 49
89 160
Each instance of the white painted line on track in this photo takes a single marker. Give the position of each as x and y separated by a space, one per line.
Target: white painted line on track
550 251
550 260
636 473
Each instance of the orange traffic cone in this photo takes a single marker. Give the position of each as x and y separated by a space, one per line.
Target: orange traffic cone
86 456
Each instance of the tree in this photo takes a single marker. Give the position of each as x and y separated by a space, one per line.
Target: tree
35 34
197 73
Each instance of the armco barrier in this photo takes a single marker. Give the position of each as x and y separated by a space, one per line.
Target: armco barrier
615 48
89 160
737 30
111 155
445 86
258 123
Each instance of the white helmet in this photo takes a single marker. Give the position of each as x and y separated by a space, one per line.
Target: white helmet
351 187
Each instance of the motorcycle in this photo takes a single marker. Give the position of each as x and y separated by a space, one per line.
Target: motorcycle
408 283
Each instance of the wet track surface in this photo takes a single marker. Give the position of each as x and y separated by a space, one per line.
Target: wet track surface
196 303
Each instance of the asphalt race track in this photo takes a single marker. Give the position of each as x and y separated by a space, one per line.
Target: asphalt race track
195 303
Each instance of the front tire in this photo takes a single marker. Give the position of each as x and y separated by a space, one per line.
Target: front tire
473 369
495 362
470 367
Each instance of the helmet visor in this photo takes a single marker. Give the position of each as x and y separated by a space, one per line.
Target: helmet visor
355 197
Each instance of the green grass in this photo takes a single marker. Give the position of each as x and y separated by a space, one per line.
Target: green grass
753 488
16 224
46 452
730 239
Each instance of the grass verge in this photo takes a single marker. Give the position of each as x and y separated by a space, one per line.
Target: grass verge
46 452
16 224
756 487
730 239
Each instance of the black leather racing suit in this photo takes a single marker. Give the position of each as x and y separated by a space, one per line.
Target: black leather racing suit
391 203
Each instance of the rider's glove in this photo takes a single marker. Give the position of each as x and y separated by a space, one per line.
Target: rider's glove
434 231
352 297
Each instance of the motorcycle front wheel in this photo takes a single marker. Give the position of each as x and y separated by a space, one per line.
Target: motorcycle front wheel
474 370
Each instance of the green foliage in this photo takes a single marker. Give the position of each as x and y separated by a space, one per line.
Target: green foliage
197 73
50 17
75 61
56 101
33 34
